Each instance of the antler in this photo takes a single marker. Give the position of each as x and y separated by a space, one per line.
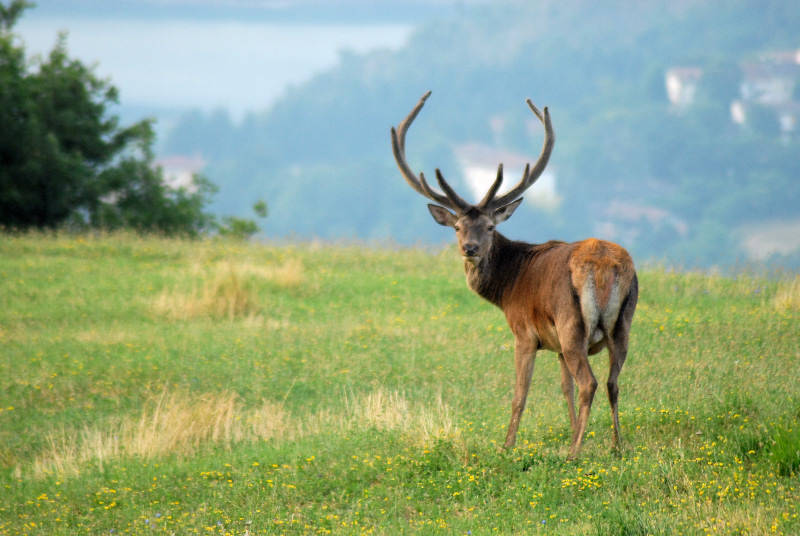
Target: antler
449 198
529 176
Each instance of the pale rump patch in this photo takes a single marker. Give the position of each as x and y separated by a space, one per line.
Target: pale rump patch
590 310
601 272
611 309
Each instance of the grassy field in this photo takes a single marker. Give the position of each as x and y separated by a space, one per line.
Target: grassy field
155 386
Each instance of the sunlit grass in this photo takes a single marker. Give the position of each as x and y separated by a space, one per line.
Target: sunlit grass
227 290
179 423
153 385
787 297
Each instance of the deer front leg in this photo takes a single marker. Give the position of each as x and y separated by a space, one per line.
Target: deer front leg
524 356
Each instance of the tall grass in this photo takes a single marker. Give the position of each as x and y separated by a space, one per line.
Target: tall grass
226 290
152 385
179 423
787 296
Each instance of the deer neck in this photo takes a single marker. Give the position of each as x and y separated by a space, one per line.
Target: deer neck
496 272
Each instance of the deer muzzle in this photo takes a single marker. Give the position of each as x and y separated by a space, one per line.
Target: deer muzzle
470 249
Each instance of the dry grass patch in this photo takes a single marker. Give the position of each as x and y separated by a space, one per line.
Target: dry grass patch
173 423
288 274
180 423
390 410
225 294
229 290
787 295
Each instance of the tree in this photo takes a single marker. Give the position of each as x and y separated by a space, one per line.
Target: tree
243 228
65 161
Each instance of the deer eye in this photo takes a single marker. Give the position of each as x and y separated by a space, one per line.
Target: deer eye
457 227
491 228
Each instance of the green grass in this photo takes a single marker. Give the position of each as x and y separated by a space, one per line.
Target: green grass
156 386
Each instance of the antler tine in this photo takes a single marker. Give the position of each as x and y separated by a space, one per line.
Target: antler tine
531 174
451 194
495 186
419 184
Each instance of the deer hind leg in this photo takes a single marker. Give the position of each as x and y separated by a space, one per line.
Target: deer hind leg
617 352
567 387
524 357
577 362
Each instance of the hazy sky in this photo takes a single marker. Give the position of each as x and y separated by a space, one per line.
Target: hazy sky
207 64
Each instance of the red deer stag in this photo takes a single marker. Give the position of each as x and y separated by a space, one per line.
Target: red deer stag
573 299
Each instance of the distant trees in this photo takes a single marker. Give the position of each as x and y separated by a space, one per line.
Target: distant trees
64 160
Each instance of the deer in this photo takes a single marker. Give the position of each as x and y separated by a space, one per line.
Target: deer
574 299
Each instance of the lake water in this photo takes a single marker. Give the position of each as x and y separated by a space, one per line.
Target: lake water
176 65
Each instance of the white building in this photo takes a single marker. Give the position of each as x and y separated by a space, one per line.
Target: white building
681 83
771 82
479 163
179 171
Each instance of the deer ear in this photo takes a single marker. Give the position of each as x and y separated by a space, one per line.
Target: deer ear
505 212
442 215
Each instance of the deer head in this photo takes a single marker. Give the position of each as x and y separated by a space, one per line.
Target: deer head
474 224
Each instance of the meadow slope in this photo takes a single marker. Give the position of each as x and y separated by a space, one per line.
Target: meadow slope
158 386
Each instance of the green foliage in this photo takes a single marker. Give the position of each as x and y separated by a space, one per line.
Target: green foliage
10 14
237 227
261 209
155 385
786 450
65 161
140 200
242 228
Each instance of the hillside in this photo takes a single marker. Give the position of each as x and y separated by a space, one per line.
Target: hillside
670 184
210 387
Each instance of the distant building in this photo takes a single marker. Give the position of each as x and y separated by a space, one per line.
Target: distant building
179 171
771 82
681 83
479 163
787 114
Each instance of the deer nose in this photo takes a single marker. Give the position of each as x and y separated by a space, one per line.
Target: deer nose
470 249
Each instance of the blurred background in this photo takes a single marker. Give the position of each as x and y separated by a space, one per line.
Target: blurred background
676 120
